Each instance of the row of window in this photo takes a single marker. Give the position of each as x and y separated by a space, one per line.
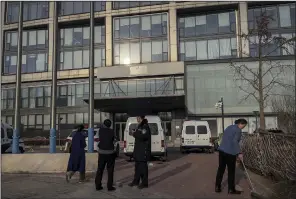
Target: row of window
32 40
80 36
280 16
193 26
140 52
40 10
31 63
132 4
77 59
73 94
42 121
78 7
140 26
208 49
31 11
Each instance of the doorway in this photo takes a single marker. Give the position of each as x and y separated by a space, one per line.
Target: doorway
119 130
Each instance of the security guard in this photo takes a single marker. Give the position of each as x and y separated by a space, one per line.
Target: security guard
106 156
142 152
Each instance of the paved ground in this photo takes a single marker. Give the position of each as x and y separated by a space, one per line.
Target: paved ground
183 176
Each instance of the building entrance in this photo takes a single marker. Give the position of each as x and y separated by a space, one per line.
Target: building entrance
119 130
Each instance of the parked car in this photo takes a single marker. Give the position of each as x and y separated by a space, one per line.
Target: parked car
96 140
6 139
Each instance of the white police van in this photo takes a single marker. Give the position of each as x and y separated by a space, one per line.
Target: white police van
158 144
6 139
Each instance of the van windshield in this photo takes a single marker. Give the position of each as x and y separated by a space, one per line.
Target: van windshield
190 130
153 128
202 130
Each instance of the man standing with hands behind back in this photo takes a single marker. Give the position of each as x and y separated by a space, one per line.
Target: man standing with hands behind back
142 152
107 155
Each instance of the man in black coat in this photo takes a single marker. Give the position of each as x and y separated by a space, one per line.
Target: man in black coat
107 155
142 152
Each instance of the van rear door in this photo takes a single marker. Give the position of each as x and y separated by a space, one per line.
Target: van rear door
190 135
156 137
203 135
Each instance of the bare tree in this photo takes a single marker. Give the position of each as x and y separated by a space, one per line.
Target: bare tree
285 108
261 80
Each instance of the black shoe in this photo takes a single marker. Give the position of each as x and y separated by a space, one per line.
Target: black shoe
218 189
132 184
141 186
111 189
234 191
99 188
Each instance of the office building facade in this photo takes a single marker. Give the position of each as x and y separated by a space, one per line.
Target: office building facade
165 58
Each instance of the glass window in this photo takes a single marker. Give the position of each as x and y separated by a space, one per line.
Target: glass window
41 37
40 63
79 118
153 128
146 52
201 25
189 26
124 54
25 36
68 36
124 28
134 27
190 130
225 47
78 59
145 26
77 36
85 63
86 35
201 47
224 22
213 49
212 23
156 25
190 49
32 38
67 60
202 130
157 51
135 53
98 34
285 20
13 39
71 118
31 120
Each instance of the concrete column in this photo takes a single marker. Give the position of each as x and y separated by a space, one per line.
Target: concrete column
243 28
50 34
173 40
2 17
108 28
109 48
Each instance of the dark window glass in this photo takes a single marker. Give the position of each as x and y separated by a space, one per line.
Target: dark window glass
202 130
190 130
9 132
2 133
212 23
32 11
133 4
79 7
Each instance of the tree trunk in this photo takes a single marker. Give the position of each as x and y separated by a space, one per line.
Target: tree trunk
260 87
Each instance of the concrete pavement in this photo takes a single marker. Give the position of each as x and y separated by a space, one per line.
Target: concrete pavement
183 176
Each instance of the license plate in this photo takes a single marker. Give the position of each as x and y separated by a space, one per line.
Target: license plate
190 142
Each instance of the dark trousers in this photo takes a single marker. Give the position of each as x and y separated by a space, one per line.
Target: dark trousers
228 160
104 160
141 173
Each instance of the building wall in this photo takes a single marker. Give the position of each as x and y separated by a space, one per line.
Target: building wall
181 49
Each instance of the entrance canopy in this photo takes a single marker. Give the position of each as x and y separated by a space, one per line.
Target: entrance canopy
139 105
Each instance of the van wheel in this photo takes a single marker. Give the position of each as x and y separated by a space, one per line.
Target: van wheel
181 150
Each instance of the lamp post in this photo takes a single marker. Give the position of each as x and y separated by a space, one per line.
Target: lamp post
59 127
220 105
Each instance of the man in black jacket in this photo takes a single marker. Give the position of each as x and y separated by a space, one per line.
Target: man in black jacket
106 155
142 152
